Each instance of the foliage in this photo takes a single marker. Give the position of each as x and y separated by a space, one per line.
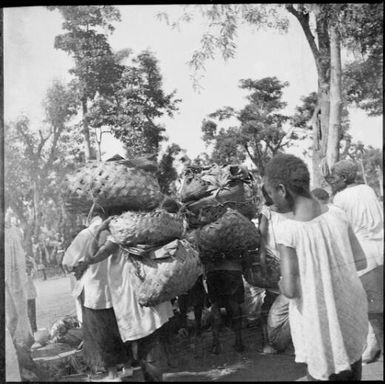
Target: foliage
131 112
223 23
36 161
96 69
260 131
167 174
362 31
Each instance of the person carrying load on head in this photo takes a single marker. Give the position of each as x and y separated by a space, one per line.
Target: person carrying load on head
102 345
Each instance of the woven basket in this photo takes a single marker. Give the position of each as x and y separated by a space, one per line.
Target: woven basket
232 233
151 228
193 187
269 278
111 184
160 280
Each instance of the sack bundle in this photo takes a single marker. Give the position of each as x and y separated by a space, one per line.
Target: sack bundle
165 273
123 183
207 192
150 228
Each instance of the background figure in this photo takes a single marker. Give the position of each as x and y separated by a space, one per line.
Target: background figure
31 292
225 290
364 212
195 298
321 195
16 283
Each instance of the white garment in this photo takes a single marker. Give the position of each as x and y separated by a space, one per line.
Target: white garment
16 283
94 281
12 367
134 321
273 219
329 322
365 214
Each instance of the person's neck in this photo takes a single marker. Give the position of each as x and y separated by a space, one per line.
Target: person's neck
307 208
351 185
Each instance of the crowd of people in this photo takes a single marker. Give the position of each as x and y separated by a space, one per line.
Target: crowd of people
328 302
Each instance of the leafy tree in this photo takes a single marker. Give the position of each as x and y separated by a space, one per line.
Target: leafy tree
131 113
260 132
321 24
96 70
362 30
34 160
167 174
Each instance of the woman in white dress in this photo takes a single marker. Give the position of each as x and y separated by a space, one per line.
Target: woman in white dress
319 257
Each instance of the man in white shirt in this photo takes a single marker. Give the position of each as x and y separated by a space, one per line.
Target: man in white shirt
102 346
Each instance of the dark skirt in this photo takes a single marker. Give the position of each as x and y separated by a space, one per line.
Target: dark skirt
223 285
102 347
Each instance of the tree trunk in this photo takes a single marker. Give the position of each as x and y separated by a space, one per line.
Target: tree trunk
332 152
86 130
36 209
321 54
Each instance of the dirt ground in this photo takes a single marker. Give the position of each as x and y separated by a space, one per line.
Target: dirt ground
55 301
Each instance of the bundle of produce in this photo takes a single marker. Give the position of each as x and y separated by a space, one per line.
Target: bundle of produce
111 184
230 186
150 228
263 275
165 273
231 235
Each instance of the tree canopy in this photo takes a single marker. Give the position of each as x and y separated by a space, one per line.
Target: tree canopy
259 133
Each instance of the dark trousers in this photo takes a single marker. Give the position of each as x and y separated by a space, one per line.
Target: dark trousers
146 352
354 374
31 307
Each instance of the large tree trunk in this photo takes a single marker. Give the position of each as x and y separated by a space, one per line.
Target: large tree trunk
86 130
321 54
332 153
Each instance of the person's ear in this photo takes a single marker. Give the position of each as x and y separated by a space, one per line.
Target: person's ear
282 190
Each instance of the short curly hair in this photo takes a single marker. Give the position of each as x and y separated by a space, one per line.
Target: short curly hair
347 169
320 194
290 171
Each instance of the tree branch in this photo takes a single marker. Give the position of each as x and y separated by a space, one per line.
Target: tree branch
304 21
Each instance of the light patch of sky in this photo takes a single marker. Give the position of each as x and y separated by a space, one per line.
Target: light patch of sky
31 63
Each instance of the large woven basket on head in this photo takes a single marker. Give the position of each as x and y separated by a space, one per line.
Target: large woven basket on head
231 234
151 228
111 184
263 276
166 273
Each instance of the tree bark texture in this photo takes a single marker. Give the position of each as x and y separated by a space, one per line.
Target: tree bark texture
86 130
332 152
321 54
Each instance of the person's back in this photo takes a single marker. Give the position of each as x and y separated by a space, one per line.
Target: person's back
320 256
364 211
332 306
